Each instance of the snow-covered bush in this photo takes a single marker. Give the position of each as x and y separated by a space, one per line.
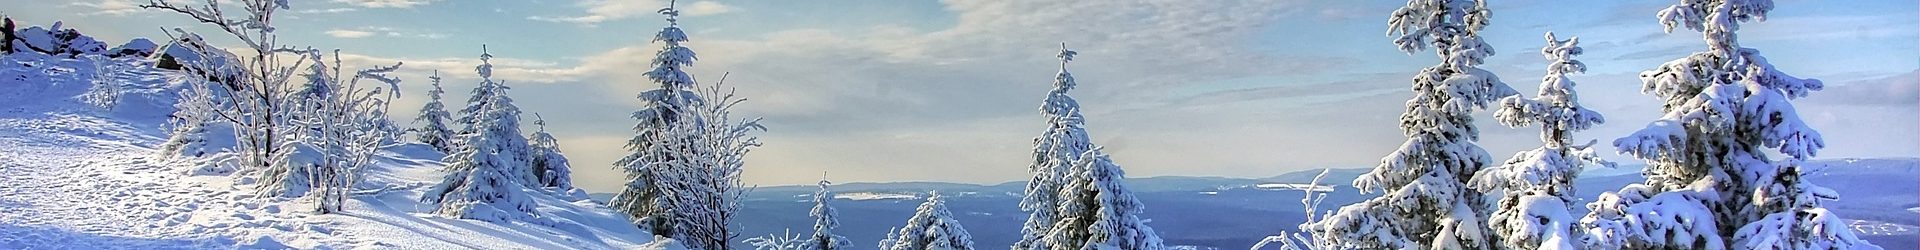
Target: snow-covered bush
932 227
1725 108
1427 203
1054 152
1535 211
105 93
271 112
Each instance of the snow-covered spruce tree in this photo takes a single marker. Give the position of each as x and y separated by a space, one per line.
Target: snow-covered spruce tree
476 98
1535 211
1710 183
932 227
698 160
825 219
642 199
1096 210
1054 152
258 97
546 160
433 120
479 184
491 94
1426 202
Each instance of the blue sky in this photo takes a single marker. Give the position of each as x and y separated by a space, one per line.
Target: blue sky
949 90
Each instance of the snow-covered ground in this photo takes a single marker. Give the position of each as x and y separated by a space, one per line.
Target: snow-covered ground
81 177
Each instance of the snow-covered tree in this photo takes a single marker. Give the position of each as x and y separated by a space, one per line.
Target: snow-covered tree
489 95
1535 211
1054 152
825 219
696 163
1707 156
1426 201
932 227
479 184
477 98
345 122
644 198
1097 211
433 119
273 125
549 165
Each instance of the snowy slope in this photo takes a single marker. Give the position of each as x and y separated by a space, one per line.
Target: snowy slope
81 177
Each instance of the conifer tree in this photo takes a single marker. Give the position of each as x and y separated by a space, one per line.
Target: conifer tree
1054 151
1710 182
1097 211
1426 203
550 167
433 119
1535 210
643 199
825 219
479 184
932 227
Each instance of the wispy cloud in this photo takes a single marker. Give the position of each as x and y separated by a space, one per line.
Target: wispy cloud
403 4
609 10
325 11
340 33
108 7
371 31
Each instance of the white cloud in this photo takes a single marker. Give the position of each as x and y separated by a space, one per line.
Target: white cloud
403 4
109 7
340 33
507 68
326 11
703 8
370 31
609 10
920 98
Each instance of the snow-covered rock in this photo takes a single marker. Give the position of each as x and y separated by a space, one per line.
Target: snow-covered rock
138 47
